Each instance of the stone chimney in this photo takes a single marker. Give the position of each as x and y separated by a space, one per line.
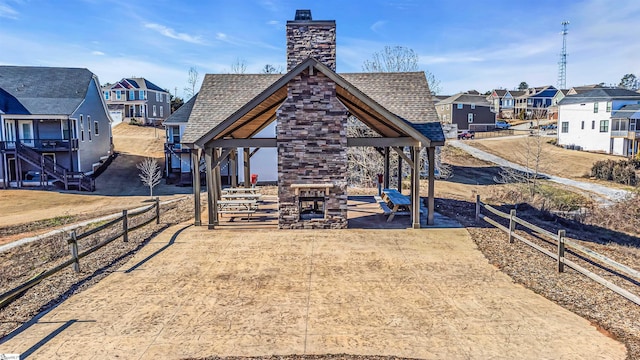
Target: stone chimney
307 37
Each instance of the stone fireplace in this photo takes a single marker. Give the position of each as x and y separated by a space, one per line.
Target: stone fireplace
311 136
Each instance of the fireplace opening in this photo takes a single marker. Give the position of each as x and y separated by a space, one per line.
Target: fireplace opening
311 207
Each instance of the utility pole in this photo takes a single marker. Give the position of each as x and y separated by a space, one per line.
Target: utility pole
562 64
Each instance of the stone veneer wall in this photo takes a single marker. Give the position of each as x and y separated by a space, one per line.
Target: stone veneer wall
312 149
311 38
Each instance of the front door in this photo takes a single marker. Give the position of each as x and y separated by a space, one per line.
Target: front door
10 133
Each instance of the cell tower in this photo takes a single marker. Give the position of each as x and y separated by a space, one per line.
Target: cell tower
562 64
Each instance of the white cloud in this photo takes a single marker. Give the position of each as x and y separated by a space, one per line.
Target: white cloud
221 36
8 12
97 53
378 25
171 33
273 22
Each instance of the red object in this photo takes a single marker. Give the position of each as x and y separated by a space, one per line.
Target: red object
254 179
380 180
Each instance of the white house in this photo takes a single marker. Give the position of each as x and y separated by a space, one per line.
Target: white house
585 121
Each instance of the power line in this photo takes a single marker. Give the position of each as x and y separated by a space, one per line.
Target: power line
562 64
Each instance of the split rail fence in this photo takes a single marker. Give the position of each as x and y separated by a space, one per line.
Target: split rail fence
563 244
7 297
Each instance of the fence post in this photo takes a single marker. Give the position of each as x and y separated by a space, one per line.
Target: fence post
157 210
561 235
478 208
73 245
512 225
125 226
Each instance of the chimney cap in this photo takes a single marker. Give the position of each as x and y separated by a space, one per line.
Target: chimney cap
303 15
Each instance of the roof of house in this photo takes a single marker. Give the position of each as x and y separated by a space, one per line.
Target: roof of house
600 94
516 93
252 99
181 115
136 84
499 92
627 112
29 90
462 98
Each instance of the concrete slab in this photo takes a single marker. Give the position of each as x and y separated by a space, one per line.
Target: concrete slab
413 293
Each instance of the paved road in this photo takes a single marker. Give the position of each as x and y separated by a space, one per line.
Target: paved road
607 194
426 294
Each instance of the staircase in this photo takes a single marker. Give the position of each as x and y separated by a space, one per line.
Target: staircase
53 170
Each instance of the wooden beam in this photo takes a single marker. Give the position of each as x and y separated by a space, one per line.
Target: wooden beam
235 143
399 173
195 166
211 201
247 166
253 152
431 151
403 155
386 167
233 156
415 182
217 157
382 141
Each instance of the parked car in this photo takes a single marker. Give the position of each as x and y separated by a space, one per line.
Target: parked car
466 134
501 124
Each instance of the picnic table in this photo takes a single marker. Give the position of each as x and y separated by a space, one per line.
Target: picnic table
241 196
394 203
240 190
238 207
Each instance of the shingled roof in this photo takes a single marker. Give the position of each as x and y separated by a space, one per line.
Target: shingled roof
604 94
28 90
222 96
463 98
135 83
181 115
627 112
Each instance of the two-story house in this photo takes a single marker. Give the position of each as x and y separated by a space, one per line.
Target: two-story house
468 112
534 103
178 158
137 100
601 120
54 126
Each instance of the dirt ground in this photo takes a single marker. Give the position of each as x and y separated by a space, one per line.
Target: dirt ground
555 160
192 292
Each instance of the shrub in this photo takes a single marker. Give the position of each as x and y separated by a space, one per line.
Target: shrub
623 171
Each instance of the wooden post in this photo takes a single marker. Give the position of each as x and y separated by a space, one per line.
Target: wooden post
561 235
400 173
125 226
217 186
211 200
234 167
157 210
415 188
73 246
386 168
431 200
195 165
247 167
512 225
478 208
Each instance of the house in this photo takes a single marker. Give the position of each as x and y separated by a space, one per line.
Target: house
55 126
553 109
495 99
599 120
506 106
137 100
468 112
178 158
308 107
533 104
584 88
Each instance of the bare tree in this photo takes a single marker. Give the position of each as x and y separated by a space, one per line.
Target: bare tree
399 59
239 66
150 173
192 83
270 69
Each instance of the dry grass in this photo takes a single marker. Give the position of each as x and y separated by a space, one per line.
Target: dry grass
139 140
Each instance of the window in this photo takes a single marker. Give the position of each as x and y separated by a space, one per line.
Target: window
154 110
447 106
582 126
595 107
81 128
157 97
608 106
442 107
460 106
565 126
604 125
89 126
132 95
470 117
118 95
632 124
168 97
141 94
106 95
95 128
473 106
65 130
593 125
529 102
161 112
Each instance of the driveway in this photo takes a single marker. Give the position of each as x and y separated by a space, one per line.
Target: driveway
426 294
607 194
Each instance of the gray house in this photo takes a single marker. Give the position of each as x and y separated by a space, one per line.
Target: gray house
137 100
469 112
54 126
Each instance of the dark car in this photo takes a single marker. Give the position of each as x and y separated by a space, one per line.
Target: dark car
466 134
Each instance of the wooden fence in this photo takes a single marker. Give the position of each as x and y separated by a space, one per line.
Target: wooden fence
562 245
7 297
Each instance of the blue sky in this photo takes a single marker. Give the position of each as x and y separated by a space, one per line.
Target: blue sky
466 44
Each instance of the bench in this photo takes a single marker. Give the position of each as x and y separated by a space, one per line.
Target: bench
238 207
395 201
383 205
